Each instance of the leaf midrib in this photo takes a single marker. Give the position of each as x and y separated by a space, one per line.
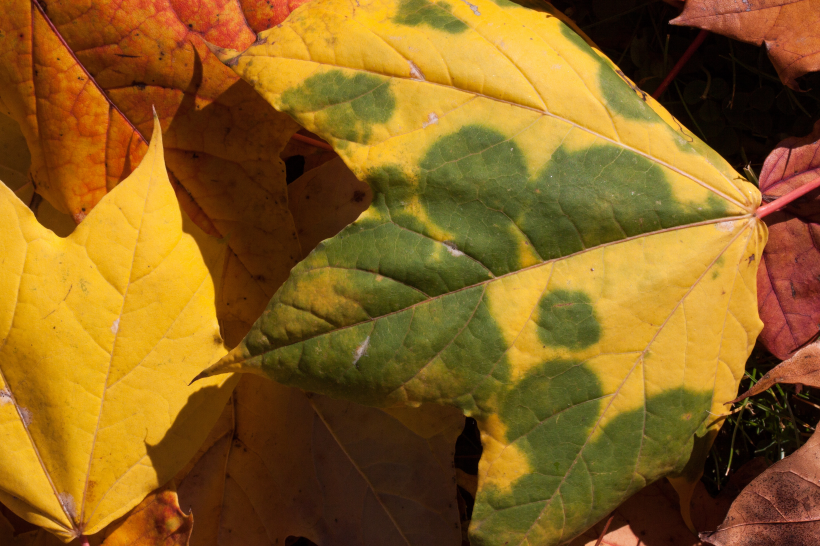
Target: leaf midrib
20 415
493 279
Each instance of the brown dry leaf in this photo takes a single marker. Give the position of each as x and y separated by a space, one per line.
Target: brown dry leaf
84 99
10 536
15 161
708 511
779 507
787 27
293 464
803 369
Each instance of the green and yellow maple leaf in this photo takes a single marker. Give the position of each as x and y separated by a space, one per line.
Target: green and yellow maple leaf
547 249
101 333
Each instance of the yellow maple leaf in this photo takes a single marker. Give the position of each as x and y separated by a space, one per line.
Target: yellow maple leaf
100 333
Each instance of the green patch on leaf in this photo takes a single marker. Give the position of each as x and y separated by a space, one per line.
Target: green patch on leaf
421 12
580 468
344 106
474 185
567 319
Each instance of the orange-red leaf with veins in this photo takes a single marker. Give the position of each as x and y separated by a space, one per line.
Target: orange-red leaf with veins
787 27
81 78
788 280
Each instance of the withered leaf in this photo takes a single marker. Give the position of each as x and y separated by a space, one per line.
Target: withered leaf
787 27
779 507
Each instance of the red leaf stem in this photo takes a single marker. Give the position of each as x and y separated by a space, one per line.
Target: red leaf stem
312 142
681 62
781 202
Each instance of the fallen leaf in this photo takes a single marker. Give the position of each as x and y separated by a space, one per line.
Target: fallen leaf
708 511
547 249
788 281
325 200
788 28
296 464
84 100
803 368
781 506
313 155
115 319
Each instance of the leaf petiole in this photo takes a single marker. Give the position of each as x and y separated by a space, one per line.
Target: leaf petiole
793 195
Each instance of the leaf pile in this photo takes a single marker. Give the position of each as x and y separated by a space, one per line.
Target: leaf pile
512 231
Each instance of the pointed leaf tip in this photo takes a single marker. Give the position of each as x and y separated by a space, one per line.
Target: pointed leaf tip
228 56
234 361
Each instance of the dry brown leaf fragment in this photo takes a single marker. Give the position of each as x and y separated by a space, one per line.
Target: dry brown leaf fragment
779 507
787 27
708 511
803 369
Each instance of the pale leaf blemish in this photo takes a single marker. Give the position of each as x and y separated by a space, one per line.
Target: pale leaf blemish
360 350
452 249
727 226
415 73
431 119
68 504
473 7
115 326
25 415
5 397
